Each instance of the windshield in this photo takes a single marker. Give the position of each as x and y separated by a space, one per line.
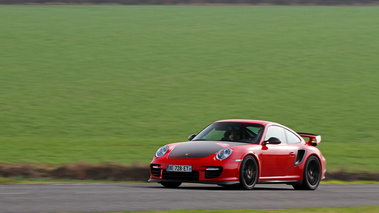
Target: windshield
227 131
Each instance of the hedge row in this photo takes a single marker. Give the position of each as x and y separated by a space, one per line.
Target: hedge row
116 172
175 2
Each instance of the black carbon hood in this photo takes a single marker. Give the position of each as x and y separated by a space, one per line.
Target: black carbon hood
200 149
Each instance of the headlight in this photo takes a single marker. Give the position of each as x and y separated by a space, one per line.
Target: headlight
224 154
161 151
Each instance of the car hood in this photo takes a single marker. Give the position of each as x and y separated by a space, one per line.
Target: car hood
200 149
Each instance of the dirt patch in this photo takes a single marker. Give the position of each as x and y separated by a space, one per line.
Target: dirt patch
79 171
118 172
352 176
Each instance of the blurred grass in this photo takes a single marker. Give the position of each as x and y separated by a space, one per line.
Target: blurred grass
114 83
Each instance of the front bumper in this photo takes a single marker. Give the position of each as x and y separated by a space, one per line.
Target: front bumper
204 170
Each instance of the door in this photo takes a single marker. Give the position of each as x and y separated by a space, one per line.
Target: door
276 158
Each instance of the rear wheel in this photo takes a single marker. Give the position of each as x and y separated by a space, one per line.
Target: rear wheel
171 184
248 172
311 175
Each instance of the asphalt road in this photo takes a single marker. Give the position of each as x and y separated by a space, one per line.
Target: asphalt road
138 197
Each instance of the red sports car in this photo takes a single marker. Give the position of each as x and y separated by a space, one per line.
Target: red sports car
241 153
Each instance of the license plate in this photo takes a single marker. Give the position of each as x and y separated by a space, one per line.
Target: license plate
179 168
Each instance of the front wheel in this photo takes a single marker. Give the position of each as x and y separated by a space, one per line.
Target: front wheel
311 175
171 184
248 172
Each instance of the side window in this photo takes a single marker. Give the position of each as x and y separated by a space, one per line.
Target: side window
292 138
276 131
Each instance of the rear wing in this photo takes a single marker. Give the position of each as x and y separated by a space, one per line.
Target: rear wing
313 139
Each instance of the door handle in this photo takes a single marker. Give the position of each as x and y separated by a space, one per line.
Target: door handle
292 154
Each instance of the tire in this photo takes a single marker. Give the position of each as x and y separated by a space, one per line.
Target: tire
311 175
248 173
171 184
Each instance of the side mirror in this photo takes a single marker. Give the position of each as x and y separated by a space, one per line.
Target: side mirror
191 137
272 140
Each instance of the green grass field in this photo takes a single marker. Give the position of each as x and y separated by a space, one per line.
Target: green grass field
114 83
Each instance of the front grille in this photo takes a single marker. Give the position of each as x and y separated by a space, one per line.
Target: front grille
194 175
213 172
155 170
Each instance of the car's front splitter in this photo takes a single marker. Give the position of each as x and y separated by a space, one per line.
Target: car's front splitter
153 180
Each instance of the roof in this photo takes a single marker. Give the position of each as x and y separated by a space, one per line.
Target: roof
265 123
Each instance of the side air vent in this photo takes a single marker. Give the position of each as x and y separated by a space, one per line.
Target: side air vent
155 170
299 157
213 172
